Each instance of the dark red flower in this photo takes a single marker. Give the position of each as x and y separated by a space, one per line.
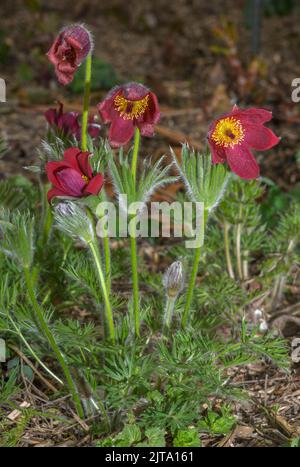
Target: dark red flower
66 122
232 136
126 107
69 122
68 51
73 176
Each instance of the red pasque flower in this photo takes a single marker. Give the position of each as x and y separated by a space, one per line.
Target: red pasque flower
66 122
68 51
69 122
232 136
127 107
73 176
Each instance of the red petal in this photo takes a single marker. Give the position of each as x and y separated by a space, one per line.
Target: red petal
84 163
71 182
242 162
71 157
152 114
53 49
51 171
252 116
66 67
147 129
121 131
50 116
260 137
54 192
95 185
64 78
217 153
106 107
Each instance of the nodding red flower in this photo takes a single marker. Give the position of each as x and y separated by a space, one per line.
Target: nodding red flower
127 107
232 136
69 122
68 51
73 176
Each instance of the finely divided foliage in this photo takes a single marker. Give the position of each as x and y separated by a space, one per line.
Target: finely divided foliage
141 356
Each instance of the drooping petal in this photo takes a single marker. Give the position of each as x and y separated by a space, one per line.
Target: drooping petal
260 137
64 78
217 153
152 113
51 115
53 193
95 184
121 131
106 108
147 129
71 181
242 162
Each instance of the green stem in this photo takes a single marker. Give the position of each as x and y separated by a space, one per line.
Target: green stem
192 282
169 309
238 245
108 311
136 146
135 285
52 343
86 102
133 246
106 248
227 250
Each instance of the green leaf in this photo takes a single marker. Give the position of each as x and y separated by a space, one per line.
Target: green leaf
187 438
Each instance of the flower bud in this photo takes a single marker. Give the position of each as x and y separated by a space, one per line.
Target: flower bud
73 221
173 279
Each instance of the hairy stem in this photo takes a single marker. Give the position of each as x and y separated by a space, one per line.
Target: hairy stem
238 245
133 246
108 310
227 250
168 315
135 285
107 260
52 342
192 281
86 102
136 146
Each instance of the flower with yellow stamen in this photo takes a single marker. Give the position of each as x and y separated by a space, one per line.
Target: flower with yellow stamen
130 110
228 132
128 107
232 136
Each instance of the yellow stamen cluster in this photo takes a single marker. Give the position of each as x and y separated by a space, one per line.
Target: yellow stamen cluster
85 178
129 110
228 132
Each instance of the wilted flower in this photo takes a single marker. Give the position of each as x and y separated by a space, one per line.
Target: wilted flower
232 136
69 122
73 176
68 51
127 107
173 279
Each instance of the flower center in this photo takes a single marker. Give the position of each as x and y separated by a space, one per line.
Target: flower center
130 110
85 178
228 132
